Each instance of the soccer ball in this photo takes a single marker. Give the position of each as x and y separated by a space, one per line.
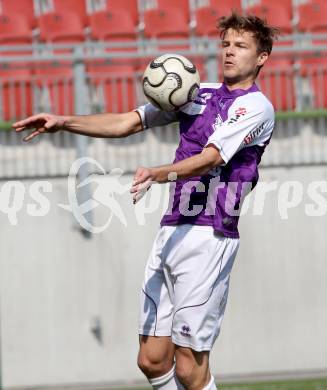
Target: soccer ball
170 81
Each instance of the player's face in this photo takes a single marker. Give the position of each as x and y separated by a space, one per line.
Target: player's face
240 58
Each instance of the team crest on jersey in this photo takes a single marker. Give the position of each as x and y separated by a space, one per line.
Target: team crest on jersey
253 134
241 111
203 97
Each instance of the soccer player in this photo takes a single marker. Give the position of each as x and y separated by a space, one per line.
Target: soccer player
223 135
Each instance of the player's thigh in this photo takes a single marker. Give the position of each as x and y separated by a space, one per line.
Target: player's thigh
156 307
201 288
156 355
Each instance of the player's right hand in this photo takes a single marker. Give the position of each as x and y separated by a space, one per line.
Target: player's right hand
41 123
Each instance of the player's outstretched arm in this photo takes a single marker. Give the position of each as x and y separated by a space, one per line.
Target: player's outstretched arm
99 125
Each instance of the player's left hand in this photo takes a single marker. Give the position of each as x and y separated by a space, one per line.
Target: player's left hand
143 179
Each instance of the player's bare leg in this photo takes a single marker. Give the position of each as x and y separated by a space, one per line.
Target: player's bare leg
156 361
192 369
156 355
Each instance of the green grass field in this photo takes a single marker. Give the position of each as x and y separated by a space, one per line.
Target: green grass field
313 384
316 384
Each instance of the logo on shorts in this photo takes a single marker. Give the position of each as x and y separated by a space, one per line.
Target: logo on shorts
186 331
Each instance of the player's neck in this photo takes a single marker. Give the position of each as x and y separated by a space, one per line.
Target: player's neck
243 84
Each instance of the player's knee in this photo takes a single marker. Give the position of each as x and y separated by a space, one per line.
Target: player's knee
153 366
184 370
192 368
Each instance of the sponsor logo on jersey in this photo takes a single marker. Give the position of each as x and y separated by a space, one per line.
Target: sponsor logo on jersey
241 111
186 331
253 134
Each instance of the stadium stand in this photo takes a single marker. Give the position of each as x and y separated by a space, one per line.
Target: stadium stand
313 69
312 16
54 79
61 27
206 21
15 77
276 82
288 4
207 16
15 29
21 7
277 14
182 5
112 81
276 76
78 7
114 26
225 7
166 24
130 6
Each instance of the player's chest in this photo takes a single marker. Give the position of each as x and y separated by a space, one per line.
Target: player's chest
198 128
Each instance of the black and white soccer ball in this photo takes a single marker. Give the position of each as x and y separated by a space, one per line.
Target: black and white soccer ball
170 81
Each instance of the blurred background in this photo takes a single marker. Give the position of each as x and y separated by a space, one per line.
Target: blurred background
69 297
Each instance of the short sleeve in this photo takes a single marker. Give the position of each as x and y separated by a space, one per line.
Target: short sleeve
151 116
250 122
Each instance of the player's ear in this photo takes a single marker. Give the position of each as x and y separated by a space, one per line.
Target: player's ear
262 58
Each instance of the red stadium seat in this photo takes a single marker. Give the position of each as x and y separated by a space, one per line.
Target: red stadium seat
225 7
312 16
78 7
166 24
279 15
113 26
112 81
312 19
206 21
128 6
15 29
314 74
112 87
288 4
16 94
277 83
181 5
61 27
21 7
318 83
15 77
55 79
207 17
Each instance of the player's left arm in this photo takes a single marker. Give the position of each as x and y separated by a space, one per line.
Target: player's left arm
197 165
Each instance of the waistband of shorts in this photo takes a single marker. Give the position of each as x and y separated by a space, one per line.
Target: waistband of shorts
188 226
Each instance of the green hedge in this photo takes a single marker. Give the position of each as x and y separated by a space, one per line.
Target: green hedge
280 115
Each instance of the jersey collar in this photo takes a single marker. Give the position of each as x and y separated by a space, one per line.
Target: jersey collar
237 92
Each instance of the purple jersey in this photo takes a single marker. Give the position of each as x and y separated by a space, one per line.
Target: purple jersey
239 124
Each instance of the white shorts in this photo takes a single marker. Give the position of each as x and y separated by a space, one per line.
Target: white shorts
186 283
